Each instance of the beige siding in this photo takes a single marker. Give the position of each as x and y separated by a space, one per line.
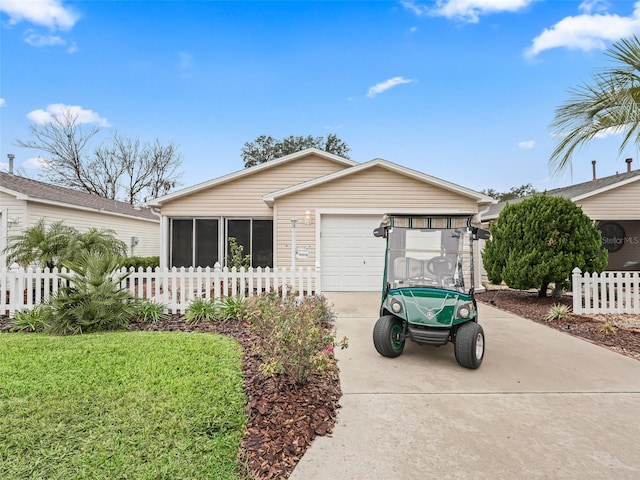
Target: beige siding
15 210
376 189
148 232
622 203
12 214
243 196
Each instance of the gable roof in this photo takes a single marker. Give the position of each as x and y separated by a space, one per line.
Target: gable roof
379 162
32 190
575 193
250 171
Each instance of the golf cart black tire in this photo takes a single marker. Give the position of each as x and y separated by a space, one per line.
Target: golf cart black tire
465 345
383 331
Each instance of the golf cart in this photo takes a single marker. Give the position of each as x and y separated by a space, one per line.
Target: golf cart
424 299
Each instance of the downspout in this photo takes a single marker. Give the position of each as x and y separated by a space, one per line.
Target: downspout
478 255
164 237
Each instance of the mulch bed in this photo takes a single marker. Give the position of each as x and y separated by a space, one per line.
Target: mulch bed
527 304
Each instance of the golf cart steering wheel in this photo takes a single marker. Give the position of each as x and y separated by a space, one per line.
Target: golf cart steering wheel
441 267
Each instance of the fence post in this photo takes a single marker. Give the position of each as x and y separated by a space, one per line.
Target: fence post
576 287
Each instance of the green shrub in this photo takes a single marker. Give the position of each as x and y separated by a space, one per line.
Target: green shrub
149 311
231 307
92 299
297 339
539 241
28 321
144 262
202 310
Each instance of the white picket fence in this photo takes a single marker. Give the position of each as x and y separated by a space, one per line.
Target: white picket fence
607 292
174 288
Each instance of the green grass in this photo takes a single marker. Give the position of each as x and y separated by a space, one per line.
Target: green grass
122 405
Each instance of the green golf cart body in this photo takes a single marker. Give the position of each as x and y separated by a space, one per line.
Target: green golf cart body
428 261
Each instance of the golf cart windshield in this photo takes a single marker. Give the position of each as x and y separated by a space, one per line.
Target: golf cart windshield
426 257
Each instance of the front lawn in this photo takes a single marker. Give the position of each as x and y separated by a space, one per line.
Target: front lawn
126 405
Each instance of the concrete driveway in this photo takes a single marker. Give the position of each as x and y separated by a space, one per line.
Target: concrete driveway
543 405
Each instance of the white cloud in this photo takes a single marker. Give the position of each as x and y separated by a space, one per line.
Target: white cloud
466 10
586 31
3 102
386 85
36 40
36 163
59 110
527 144
46 13
609 132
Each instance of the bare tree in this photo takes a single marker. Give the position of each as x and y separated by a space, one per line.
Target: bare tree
120 168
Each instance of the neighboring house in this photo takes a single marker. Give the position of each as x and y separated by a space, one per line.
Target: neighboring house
614 202
23 202
307 209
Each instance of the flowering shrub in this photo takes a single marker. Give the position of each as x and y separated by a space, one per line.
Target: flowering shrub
297 337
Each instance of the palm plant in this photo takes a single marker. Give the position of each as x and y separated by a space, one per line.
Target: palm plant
99 241
609 105
93 299
42 245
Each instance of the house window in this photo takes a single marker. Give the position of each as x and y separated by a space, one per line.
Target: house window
194 242
256 236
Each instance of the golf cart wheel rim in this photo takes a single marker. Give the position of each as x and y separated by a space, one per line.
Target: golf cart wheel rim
479 346
396 337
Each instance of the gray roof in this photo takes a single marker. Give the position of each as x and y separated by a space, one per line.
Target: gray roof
45 192
571 192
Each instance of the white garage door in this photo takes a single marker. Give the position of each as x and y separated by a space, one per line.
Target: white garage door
352 259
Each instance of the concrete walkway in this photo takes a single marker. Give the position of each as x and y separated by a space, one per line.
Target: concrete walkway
543 405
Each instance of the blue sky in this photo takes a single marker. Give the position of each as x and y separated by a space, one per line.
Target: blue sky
464 90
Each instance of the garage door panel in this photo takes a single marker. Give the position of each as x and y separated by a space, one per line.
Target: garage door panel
352 259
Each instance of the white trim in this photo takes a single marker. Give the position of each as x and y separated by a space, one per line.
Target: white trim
613 186
250 171
3 235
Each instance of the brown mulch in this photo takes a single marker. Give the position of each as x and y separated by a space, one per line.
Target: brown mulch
623 338
282 418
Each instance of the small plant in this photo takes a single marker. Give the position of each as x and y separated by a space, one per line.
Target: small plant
231 307
608 329
557 312
236 257
151 312
202 310
28 321
297 339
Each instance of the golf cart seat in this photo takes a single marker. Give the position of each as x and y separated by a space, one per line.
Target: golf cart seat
405 268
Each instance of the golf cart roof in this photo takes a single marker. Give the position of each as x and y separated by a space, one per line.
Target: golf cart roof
426 221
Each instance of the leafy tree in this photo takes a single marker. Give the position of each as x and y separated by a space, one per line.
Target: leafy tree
120 168
525 190
265 148
608 105
539 241
49 246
